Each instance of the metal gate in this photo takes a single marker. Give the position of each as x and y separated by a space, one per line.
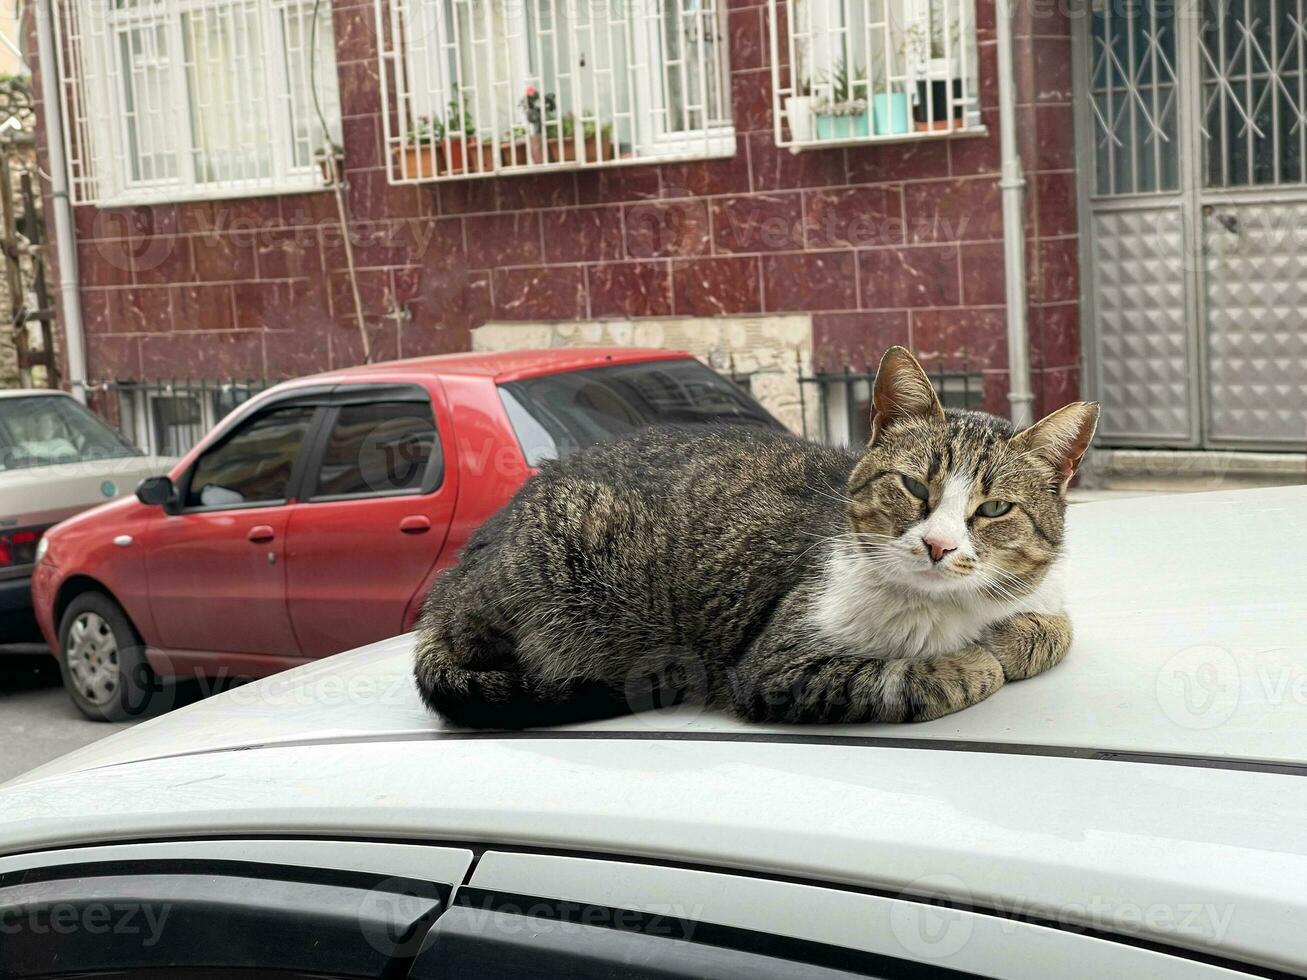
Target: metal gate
1194 265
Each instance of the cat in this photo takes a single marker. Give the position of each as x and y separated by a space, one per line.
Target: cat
753 571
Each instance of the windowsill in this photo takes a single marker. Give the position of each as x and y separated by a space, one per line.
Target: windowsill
227 190
962 132
721 144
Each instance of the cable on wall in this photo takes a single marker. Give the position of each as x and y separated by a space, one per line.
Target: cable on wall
335 159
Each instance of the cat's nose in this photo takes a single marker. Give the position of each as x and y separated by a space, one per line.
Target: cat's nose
939 546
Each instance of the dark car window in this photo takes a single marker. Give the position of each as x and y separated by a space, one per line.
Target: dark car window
559 414
254 465
384 447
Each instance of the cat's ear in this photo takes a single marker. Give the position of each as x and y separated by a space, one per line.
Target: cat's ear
902 391
1062 438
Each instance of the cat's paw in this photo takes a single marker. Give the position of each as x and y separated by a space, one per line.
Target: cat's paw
943 685
1029 643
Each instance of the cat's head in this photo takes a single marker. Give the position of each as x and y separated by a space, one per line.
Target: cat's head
955 502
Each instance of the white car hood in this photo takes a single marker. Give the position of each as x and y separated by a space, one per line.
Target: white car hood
46 494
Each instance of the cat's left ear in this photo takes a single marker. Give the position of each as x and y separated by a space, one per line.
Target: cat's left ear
902 391
1062 438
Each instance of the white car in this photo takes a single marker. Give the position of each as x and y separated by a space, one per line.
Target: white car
56 459
1138 812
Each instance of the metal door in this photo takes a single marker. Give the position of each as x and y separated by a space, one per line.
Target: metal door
1195 258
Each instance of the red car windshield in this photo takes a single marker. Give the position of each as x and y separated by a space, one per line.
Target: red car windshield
558 414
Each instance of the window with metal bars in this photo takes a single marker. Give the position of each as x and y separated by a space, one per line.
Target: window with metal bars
860 71
169 100
477 87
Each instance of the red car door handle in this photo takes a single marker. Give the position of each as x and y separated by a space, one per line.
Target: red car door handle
261 532
415 524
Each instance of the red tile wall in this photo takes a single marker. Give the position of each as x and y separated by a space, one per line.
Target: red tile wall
887 244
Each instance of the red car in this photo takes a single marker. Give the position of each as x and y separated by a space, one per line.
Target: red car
315 517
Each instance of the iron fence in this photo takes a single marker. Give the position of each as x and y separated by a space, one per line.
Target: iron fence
843 407
167 418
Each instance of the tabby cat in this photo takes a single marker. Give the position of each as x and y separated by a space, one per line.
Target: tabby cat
755 572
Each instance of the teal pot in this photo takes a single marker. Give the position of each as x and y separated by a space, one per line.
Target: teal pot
842 127
890 110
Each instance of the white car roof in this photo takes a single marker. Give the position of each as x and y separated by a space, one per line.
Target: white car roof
1159 767
1190 615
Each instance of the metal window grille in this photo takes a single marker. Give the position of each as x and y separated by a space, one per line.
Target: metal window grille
168 418
1133 97
860 71
169 100
844 400
1254 77
471 88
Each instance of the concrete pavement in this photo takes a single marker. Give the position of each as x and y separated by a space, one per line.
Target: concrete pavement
37 720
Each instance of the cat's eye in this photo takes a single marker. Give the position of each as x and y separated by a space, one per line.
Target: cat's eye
916 488
994 508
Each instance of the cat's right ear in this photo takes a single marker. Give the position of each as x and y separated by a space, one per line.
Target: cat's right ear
902 391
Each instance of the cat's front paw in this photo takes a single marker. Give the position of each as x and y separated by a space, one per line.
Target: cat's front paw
943 685
1029 643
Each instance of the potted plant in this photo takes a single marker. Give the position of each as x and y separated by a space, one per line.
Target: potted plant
799 105
842 114
799 110
596 143
526 145
446 146
417 157
938 89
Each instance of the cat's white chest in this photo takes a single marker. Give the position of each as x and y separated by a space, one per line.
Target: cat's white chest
856 608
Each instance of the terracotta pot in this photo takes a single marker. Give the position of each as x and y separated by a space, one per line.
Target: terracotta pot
592 148
484 159
523 151
446 159
416 162
939 125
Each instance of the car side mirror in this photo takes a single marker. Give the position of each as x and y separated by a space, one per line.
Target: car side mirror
155 491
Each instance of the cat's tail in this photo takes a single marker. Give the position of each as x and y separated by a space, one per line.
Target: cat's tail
500 695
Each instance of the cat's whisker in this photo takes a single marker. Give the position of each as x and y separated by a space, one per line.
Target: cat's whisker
841 498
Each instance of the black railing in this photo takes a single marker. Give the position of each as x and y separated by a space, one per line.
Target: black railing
169 417
957 388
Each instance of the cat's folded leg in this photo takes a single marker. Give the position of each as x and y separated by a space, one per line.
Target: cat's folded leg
781 679
1029 643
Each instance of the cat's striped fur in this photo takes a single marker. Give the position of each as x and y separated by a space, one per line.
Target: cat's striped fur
769 576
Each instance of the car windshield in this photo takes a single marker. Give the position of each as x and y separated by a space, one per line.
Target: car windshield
43 430
559 414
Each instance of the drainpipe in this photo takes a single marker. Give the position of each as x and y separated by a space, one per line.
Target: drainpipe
1012 186
64 236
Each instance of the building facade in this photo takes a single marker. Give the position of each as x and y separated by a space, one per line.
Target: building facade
784 186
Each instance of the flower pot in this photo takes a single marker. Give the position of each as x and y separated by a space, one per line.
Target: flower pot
417 162
932 108
484 159
833 127
798 113
594 149
890 112
524 151
445 159
453 155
